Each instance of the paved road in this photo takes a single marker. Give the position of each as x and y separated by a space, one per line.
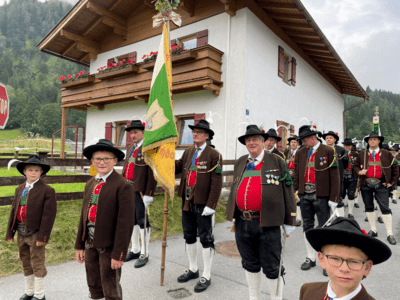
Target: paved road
67 280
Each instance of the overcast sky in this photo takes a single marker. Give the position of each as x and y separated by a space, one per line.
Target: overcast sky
366 35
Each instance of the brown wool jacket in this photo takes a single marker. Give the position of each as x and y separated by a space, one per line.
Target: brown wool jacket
114 219
327 180
208 183
390 170
277 152
317 290
143 175
41 210
278 203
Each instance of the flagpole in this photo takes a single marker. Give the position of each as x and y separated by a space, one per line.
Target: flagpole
164 237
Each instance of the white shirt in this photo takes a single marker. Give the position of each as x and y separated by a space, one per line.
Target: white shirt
30 185
139 144
376 150
202 147
258 158
350 296
270 150
292 151
104 177
316 147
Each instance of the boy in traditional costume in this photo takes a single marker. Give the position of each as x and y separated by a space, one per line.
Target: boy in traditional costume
347 253
32 215
106 222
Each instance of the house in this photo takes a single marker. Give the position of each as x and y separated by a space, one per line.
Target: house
247 61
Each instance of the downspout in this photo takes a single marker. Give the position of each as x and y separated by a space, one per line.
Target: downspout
344 115
227 84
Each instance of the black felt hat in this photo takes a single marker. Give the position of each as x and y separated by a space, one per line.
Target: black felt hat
250 131
348 141
306 130
103 145
32 160
396 147
344 231
203 124
331 133
295 137
272 133
135 124
386 146
373 134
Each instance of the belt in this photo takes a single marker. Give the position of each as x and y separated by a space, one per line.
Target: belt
250 215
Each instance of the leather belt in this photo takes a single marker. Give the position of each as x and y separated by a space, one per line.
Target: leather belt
310 188
373 181
249 215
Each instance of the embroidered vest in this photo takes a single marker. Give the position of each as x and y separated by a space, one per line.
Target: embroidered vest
21 216
92 211
374 166
130 166
192 174
249 193
291 161
310 170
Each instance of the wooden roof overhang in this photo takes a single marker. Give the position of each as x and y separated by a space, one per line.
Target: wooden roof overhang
97 26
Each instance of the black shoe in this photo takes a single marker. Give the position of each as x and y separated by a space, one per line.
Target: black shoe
188 275
380 220
34 298
394 201
366 219
391 240
307 264
373 234
350 216
141 261
26 297
298 223
324 273
356 205
132 256
202 285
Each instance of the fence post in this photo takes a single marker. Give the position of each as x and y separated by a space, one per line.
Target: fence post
16 154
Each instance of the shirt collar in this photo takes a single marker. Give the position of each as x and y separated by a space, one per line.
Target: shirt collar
376 150
270 150
350 296
316 146
139 144
31 184
104 177
260 157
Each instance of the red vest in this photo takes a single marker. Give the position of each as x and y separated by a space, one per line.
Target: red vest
130 167
192 175
291 161
374 171
21 216
310 171
349 166
249 192
92 211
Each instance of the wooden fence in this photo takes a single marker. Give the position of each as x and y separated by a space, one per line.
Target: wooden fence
8 181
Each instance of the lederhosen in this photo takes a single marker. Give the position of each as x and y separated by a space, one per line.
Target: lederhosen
349 181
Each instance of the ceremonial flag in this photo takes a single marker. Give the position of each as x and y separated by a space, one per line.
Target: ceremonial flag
160 132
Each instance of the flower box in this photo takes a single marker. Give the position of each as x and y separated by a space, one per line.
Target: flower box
129 69
175 58
77 82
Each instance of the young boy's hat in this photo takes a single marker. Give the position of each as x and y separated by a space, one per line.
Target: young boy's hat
103 145
33 160
344 231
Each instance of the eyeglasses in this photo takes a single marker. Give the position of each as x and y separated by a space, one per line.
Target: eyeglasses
105 159
197 132
335 261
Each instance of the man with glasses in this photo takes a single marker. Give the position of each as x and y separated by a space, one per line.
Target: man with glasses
317 182
108 210
261 200
141 177
347 254
200 188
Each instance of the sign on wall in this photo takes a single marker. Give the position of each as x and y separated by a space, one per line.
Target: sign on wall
4 106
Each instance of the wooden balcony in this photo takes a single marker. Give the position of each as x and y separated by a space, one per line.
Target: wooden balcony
192 70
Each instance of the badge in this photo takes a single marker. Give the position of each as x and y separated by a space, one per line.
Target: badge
276 180
268 179
272 180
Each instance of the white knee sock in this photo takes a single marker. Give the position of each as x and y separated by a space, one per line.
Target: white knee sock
351 206
135 239
192 254
372 220
208 254
298 213
39 287
145 242
310 249
30 285
254 283
387 219
358 197
272 286
379 211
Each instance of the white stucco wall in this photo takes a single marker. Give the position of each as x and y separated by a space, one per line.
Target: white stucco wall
249 67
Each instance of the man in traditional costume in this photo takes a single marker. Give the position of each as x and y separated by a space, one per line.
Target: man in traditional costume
271 141
261 200
379 171
200 188
141 177
318 184
349 180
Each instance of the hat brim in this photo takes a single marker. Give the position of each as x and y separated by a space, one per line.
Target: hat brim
381 139
134 127
88 151
21 166
331 134
278 138
209 131
376 250
310 133
242 139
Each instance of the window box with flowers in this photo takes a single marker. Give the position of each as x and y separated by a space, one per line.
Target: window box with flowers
179 54
76 80
124 67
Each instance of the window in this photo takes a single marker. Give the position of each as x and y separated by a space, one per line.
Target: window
285 132
120 134
286 67
184 132
192 41
189 42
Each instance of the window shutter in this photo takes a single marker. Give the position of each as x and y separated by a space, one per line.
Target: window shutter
281 62
202 38
110 61
173 43
198 117
293 80
132 56
128 136
292 130
280 133
109 131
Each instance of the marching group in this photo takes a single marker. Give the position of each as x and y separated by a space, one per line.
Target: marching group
272 193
